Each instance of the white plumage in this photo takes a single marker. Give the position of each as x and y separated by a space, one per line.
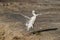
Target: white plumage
30 23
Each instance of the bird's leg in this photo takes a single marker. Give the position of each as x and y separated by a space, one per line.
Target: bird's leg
32 26
28 28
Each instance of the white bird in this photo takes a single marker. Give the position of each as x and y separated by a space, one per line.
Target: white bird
30 23
31 20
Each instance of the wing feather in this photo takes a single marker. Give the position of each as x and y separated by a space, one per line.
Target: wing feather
25 16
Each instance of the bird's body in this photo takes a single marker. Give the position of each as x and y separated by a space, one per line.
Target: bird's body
30 23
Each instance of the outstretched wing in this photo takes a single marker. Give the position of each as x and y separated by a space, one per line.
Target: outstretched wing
15 16
25 16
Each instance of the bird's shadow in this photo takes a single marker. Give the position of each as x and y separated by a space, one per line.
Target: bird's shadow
44 30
